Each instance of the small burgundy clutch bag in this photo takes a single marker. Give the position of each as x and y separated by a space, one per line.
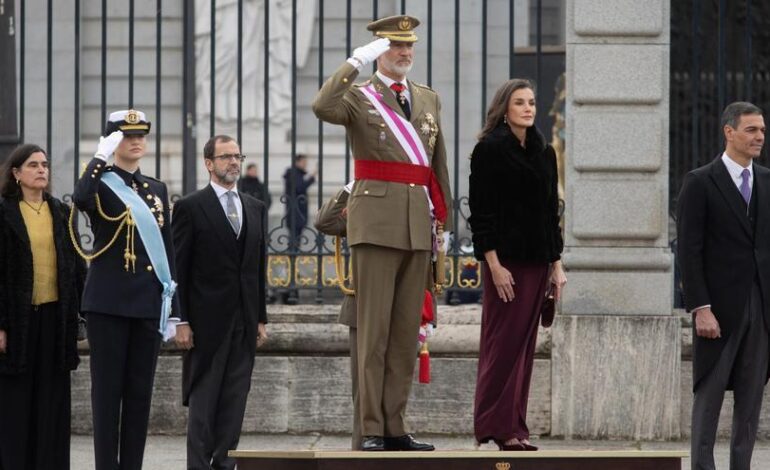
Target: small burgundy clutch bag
548 308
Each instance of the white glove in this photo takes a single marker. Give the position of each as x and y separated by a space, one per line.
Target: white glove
367 54
447 240
171 323
107 145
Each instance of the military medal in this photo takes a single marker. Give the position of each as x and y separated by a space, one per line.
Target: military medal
429 127
158 210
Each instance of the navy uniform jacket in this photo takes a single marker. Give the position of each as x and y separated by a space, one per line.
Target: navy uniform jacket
109 288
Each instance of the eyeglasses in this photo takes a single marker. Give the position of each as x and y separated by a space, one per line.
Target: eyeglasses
230 156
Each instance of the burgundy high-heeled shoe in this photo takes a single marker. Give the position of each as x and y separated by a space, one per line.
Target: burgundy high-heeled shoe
528 446
517 446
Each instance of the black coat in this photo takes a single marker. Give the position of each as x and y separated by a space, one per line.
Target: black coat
109 288
720 254
215 282
513 198
255 188
16 280
296 185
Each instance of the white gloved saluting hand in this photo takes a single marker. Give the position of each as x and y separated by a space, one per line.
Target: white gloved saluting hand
367 54
107 145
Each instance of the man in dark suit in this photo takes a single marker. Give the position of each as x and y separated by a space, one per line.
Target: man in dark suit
723 227
219 234
296 183
251 185
129 289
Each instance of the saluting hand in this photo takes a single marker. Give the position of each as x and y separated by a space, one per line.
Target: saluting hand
107 145
184 336
2 341
367 54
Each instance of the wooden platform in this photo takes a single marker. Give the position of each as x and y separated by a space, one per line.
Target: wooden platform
461 460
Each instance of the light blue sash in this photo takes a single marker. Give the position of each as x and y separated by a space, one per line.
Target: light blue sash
149 232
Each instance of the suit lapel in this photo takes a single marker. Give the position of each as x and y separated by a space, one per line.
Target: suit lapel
762 194
252 224
216 216
388 96
729 191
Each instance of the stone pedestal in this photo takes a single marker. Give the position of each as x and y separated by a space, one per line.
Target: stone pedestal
616 349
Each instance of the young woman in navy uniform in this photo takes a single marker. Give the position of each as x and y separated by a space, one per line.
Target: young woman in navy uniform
126 303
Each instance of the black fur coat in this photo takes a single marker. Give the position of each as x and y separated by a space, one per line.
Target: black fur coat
513 198
16 279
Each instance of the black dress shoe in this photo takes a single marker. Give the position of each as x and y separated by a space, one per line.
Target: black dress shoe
406 442
372 443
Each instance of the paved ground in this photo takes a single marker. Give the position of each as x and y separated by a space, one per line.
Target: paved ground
168 452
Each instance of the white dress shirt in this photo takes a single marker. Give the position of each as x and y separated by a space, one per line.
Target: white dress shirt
389 81
222 196
735 170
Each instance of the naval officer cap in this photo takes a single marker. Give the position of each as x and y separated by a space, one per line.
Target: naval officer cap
130 121
398 28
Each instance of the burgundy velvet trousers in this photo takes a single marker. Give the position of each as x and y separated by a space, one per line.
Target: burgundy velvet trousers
507 352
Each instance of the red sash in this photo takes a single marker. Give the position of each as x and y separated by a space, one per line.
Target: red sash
407 173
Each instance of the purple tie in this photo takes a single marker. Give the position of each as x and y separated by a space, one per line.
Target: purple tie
745 188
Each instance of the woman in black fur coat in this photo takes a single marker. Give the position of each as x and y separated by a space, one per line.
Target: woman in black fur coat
515 224
41 279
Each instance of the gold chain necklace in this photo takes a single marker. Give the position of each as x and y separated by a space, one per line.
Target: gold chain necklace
36 209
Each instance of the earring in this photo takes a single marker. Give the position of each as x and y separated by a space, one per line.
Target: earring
505 119
18 182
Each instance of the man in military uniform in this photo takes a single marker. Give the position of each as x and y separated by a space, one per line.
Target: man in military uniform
397 205
331 219
129 289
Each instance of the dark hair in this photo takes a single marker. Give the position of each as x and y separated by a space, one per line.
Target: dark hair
499 105
251 165
208 149
300 156
731 116
9 188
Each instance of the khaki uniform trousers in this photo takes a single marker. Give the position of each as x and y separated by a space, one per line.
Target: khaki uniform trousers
390 289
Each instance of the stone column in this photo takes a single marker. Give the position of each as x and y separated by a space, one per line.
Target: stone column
617 347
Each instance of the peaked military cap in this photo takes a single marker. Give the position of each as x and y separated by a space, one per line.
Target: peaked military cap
130 121
396 28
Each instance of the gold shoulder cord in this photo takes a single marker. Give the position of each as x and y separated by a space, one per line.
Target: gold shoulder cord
439 274
125 219
339 265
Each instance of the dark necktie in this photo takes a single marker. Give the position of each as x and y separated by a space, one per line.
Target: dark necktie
399 88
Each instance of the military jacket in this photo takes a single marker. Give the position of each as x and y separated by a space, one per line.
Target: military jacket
385 213
109 287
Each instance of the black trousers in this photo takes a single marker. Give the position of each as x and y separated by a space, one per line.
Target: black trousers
35 405
218 402
745 360
124 352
